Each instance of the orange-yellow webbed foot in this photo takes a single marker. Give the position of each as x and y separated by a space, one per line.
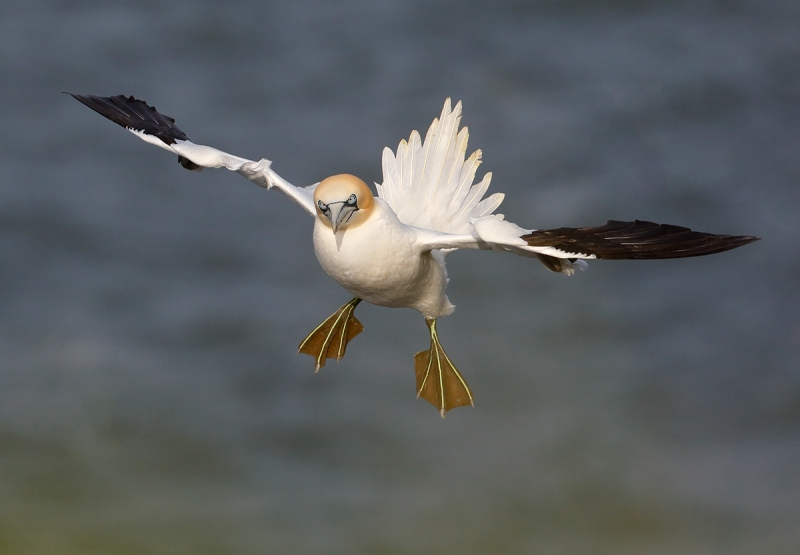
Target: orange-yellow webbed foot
330 338
438 380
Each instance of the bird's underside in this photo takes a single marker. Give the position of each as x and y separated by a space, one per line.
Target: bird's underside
429 181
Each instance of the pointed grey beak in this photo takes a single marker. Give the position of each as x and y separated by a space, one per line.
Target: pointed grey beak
339 213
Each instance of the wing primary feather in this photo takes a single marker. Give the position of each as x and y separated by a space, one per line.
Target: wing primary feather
134 114
399 167
421 176
468 171
434 158
457 162
474 196
617 240
448 126
487 205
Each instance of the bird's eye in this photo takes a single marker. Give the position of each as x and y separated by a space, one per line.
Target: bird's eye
322 205
351 200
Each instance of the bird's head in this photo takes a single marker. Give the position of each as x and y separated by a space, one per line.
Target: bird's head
343 201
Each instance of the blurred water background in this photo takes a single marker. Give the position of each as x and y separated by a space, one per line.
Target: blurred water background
151 401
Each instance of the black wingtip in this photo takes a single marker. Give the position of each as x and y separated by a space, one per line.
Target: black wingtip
742 240
639 239
135 114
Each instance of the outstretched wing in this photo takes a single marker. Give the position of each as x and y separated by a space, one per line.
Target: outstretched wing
429 184
157 129
565 248
631 240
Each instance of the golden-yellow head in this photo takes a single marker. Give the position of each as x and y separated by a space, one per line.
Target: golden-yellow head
343 201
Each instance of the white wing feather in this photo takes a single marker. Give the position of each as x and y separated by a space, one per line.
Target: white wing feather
494 232
258 172
429 184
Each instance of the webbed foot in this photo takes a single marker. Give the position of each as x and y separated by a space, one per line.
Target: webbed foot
438 380
330 338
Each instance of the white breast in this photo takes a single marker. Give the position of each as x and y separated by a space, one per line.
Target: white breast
379 261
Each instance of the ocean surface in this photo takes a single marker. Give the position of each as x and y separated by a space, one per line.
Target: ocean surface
151 397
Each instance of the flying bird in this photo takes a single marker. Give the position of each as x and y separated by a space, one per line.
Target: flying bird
389 249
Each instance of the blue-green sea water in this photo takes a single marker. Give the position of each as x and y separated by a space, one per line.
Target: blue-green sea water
151 397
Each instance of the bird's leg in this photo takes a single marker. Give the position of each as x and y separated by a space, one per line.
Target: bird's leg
330 338
438 380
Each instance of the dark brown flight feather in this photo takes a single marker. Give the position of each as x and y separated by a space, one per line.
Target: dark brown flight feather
135 114
635 240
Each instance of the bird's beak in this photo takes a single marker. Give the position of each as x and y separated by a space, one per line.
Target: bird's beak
339 213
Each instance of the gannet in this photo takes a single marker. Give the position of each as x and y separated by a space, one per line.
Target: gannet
390 249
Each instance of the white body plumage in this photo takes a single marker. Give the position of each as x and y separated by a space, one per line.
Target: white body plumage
381 261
